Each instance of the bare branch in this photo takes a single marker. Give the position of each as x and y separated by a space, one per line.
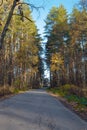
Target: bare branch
23 17
31 5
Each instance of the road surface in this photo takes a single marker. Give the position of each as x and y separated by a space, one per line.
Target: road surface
37 110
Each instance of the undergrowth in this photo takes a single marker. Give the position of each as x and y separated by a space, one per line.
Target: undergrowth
79 102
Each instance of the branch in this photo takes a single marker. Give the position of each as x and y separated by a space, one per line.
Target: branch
1 2
23 17
31 5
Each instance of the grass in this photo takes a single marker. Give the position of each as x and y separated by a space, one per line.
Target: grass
6 90
79 103
56 91
78 100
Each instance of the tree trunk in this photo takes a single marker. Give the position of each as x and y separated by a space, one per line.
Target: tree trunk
3 34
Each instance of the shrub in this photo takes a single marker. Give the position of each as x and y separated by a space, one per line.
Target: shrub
71 98
65 88
79 100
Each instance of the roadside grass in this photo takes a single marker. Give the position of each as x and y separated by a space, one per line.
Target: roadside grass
7 91
79 103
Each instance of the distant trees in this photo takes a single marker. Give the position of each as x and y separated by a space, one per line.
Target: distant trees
67 45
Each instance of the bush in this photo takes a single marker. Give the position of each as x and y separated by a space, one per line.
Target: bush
79 100
66 88
72 93
71 98
71 89
83 101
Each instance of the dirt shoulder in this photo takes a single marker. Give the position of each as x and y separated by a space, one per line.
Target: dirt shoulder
70 105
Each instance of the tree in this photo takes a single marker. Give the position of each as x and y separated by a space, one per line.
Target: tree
67 42
57 33
20 59
13 6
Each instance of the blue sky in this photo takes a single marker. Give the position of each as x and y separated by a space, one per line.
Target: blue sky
48 4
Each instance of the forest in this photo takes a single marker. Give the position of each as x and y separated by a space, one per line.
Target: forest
19 48
21 65
43 75
66 48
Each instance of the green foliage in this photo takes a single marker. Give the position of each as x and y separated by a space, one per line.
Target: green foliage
16 90
64 91
54 90
66 87
72 98
56 62
81 101
57 91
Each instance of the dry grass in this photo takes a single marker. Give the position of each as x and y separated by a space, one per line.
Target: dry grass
6 90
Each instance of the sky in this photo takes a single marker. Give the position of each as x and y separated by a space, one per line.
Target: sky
40 16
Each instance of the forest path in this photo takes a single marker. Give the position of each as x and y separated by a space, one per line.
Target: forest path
37 110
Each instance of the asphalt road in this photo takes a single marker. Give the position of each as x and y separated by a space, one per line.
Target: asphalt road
37 110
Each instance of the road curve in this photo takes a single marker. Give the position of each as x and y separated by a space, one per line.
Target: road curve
37 110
